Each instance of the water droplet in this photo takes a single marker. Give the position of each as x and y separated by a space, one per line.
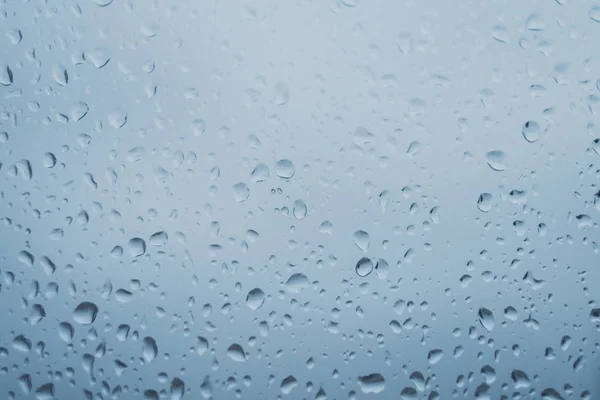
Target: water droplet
288 384
149 29
551 394
85 313
49 160
48 266
484 202
15 36
486 319
595 13
60 75
300 209
409 393
285 169
534 22
510 313
255 299
45 392
531 131
434 215
66 331
137 247
372 383
79 110
202 346
241 192
520 379
24 169
159 239
26 258
149 349
362 240
117 118
595 315
22 344
496 159
25 383
260 173
177 389
434 356
296 283
500 34
236 353
364 267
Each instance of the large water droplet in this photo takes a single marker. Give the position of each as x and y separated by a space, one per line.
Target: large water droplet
255 299
85 313
372 383
260 173
149 349
434 356
49 160
177 389
484 202
496 159
364 267
79 110
117 118
241 192
66 331
285 169
137 247
159 239
288 384
6 75
297 282
362 240
236 353
531 131
300 209
486 319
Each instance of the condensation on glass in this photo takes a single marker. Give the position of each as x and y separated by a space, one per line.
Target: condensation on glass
337 199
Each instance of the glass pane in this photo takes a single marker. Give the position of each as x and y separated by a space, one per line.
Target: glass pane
304 199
